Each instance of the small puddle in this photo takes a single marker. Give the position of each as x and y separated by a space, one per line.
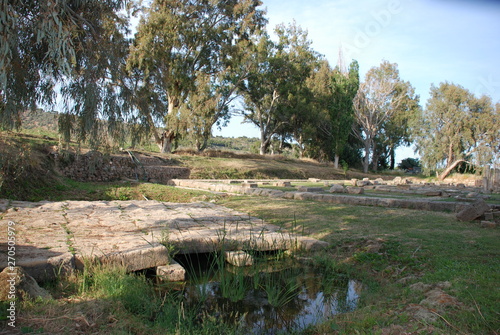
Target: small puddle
271 297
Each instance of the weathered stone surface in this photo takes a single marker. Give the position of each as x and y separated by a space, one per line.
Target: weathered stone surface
95 166
314 180
336 188
310 189
171 273
238 258
283 184
250 185
53 237
355 190
473 211
18 282
488 224
433 193
310 244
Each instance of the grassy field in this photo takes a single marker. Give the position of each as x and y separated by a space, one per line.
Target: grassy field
399 255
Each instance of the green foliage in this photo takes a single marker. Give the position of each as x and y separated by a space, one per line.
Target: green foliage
76 45
188 54
274 93
457 125
409 163
383 105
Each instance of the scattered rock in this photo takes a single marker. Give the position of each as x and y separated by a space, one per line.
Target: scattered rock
171 273
19 281
361 183
249 185
310 189
421 313
438 299
283 184
473 211
238 258
420 287
488 224
336 188
355 190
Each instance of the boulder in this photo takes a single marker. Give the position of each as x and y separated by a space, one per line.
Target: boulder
336 188
238 258
17 281
171 273
473 211
355 190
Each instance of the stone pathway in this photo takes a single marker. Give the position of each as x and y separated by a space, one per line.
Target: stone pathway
53 237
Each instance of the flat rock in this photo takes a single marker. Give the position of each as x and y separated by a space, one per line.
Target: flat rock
171 273
57 237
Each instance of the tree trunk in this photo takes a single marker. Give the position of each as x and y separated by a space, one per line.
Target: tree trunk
336 162
164 142
393 158
366 159
264 142
375 157
450 168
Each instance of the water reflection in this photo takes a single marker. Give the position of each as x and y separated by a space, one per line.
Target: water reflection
266 302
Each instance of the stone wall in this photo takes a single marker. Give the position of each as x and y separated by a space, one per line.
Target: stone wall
95 166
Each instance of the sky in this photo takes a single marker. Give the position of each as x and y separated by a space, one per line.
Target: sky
432 41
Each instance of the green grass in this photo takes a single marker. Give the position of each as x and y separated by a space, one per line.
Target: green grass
382 246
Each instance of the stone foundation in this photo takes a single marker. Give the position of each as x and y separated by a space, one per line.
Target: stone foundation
95 166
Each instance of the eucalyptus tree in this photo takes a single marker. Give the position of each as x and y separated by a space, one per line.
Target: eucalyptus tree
72 44
206 106
178 41
274 92
381 96
341 110
457 127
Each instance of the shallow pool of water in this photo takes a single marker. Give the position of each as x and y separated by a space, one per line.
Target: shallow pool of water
272 298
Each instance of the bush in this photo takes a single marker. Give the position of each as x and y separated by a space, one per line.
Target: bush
410 164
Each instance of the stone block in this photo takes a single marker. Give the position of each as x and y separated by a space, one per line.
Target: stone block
249 185
283 184
171 272
310 189
355 190
488 224
136 259
433 193
238 258
314 180
336 188
473 211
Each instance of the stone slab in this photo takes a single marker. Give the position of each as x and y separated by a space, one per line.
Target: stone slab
238 258
171 273
60 236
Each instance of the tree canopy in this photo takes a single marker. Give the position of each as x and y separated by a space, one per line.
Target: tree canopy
192 64
456 126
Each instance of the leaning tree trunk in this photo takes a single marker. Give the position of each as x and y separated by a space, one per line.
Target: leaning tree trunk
450 168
